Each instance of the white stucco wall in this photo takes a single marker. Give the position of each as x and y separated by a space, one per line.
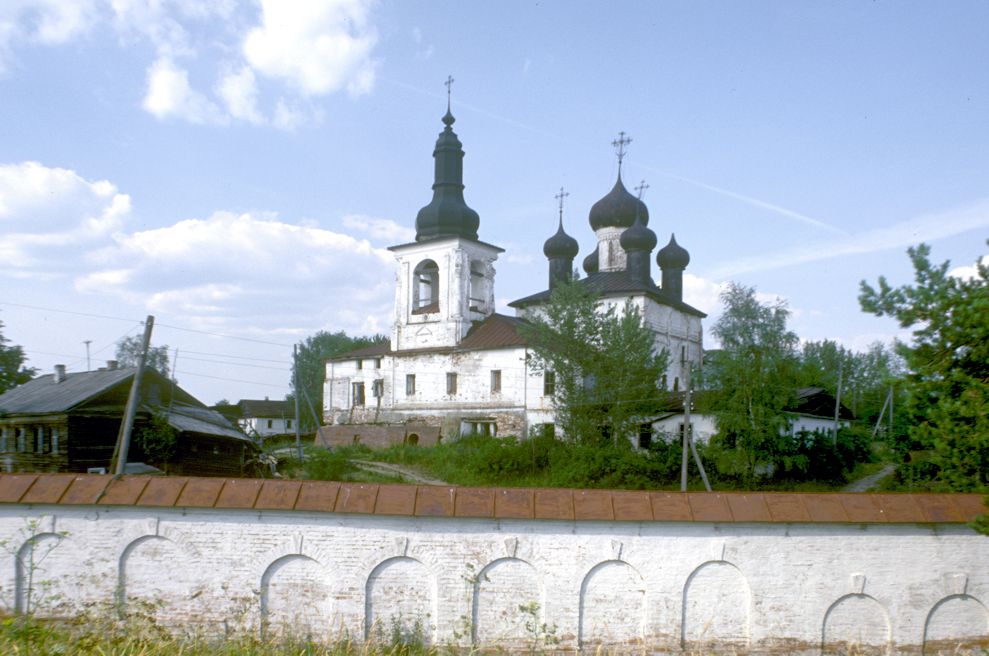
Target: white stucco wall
629 585
520 394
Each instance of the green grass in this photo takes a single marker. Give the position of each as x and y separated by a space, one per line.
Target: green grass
89 636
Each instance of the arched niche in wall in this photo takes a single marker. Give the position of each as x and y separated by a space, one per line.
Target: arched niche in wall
716 607
296 598
160 578
856 623
400 602
507 596
36 588
957 623
612 606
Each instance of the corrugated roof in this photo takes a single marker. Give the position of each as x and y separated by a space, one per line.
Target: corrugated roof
205 421
375 350
265 408
43 395
490 503
613 283
495 331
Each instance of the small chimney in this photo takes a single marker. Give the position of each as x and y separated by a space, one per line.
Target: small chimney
59 373
111 365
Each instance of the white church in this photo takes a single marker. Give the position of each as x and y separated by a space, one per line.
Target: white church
453 365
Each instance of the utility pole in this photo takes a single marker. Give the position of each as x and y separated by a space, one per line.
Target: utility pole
295 378
688 435
127 424
87 342
837 402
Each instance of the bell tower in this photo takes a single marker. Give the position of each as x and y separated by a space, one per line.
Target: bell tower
445 278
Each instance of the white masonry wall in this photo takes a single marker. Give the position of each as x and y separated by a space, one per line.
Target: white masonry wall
783 588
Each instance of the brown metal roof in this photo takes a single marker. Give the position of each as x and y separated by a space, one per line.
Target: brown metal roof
494 503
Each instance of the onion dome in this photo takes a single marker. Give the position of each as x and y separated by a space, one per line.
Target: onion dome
591 262
638 238
561 245
672 256
447 215
618 209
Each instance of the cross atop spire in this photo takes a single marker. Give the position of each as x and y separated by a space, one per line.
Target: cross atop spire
560 197
641 189
619 145
449 85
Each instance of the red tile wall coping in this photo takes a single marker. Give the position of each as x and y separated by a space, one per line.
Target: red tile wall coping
489 503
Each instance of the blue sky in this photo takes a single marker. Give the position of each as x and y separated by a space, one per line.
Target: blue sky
237 169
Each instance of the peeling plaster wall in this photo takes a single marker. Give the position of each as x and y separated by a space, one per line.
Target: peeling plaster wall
785 588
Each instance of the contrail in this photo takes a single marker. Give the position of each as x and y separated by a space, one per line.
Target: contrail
803 218
782 211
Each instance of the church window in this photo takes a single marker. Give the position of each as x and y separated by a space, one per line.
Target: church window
426 287
485 427
549 383
451 383
664 381
645 436
410 384
676 384
358 393
378 388
495 381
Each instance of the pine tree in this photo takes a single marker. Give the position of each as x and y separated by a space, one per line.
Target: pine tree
948 364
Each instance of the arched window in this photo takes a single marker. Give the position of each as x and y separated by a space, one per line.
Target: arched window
426 288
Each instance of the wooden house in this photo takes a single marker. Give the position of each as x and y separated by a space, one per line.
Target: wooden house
69 422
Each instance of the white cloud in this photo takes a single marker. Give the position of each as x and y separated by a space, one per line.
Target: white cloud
318 47
170 95
385 229
231 270
703 294
310 48
240 95
49 216
970 271
45 22
924 228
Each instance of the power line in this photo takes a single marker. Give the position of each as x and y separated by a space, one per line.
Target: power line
78 314
236 357
230 380
235 364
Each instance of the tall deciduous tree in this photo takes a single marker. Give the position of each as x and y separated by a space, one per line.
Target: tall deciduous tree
12 369
750 380
311 362
948 363
866 377
602 360
129 354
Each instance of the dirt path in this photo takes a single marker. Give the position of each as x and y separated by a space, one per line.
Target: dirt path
410 475
866 483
